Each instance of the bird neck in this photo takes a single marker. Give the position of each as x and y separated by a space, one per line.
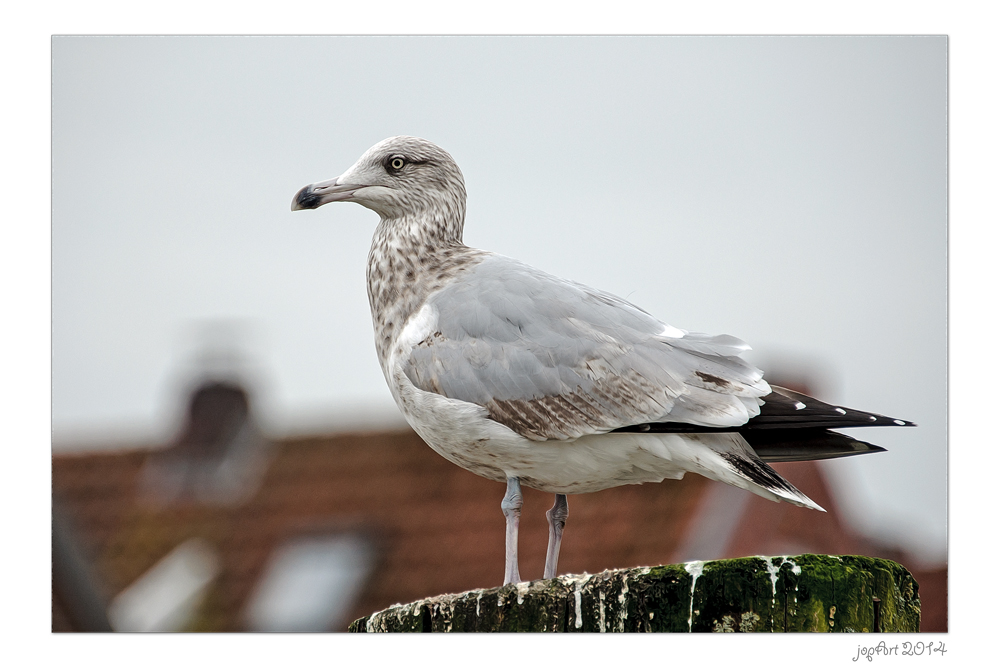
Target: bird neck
410 259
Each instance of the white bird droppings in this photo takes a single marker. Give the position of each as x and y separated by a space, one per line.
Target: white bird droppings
772 570
522 588
577 591
693 568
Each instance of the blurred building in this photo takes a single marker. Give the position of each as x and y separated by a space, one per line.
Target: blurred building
224 531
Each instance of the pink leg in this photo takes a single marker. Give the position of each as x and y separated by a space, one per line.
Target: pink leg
511 507
557 521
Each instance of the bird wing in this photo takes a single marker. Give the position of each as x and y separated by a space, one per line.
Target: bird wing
554 359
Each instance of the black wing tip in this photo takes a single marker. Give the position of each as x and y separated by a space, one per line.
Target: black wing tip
783 445
784 408
881 420
757 425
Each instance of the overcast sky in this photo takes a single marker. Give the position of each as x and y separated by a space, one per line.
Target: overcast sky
788 191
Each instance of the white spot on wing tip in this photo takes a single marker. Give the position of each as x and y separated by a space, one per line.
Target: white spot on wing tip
841 411
799 405
900 422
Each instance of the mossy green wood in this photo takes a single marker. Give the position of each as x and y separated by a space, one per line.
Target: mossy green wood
807 593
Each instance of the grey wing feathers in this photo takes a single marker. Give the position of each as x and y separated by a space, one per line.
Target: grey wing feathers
553 359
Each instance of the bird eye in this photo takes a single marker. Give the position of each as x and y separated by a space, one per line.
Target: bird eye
397 163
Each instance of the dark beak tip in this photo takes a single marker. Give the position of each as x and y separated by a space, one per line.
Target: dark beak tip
305 199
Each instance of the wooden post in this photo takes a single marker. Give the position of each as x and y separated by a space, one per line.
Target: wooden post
807 593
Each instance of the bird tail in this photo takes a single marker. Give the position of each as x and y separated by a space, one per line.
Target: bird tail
738 465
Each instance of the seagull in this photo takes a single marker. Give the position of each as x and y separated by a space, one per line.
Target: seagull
527 379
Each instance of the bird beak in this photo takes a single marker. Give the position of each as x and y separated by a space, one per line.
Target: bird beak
317 194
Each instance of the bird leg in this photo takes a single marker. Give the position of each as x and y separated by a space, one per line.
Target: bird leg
557 521
511 507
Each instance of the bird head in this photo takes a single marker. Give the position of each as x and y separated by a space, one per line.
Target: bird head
398 177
